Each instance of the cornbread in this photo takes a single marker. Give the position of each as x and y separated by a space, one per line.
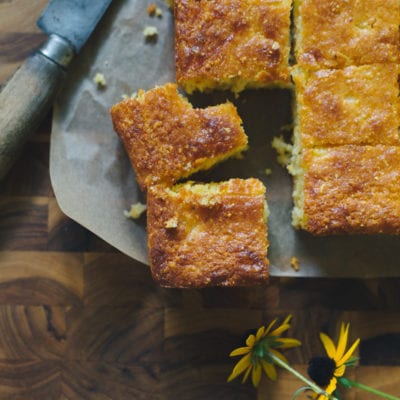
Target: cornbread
354 105
337 33
347 189
232 44
167 139
208 234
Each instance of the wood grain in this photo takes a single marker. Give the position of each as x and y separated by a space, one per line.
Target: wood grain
79 320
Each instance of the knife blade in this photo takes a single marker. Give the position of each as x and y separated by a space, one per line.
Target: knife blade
29 94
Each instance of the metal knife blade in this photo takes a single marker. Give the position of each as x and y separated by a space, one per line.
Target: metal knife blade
30 92
73 20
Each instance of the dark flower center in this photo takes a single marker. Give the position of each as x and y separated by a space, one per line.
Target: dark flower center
321 370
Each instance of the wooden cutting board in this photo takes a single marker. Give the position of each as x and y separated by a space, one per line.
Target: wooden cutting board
78 320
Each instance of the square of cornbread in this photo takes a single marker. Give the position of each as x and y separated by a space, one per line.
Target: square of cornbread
232 44
337 33
347 189
211 234
167 139
354 105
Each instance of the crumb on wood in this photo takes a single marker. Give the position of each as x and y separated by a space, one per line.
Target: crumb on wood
136 210
294 263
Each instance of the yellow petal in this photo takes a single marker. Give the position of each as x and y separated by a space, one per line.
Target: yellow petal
270 326
256 375
349 352
287 343
250 340
287 319
332 386
328 345
246 374
260 333
243 363
340 371
278 331
269 370
341 347
279 355
240 351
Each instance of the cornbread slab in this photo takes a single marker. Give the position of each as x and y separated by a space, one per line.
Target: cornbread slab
208 234
348 189
232 44
167 139
337 33
354 105
94 183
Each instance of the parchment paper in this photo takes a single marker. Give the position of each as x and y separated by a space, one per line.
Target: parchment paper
93 180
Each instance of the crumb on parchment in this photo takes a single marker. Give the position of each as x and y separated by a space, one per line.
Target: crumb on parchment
125 96
268 171
294 263
100 80
150 32
151 9
283 149
136 210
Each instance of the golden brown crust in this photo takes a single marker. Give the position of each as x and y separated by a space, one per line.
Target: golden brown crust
216 239
166 139
355 105
352 189
231 43
337 33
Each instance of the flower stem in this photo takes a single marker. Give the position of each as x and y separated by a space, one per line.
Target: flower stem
311 384
372 390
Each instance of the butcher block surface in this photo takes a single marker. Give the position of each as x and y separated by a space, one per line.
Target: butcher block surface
79 320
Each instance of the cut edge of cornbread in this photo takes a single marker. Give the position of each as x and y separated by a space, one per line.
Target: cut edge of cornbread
234 84
296 170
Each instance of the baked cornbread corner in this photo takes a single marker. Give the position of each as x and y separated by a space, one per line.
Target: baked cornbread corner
232 44
167 139
354 105
336 33
212 234
347 190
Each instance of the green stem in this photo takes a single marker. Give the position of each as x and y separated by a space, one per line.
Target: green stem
311 384
372 390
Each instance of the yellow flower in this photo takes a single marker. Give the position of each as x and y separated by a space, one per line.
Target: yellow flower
256 352
325 371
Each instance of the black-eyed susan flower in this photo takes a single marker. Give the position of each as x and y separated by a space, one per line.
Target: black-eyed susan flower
260 351
326 371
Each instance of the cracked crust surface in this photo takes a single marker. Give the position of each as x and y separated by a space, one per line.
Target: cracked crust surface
208 234
232 44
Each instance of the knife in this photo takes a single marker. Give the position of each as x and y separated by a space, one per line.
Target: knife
29 94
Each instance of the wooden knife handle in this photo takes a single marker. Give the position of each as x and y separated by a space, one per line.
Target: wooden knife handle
23 103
